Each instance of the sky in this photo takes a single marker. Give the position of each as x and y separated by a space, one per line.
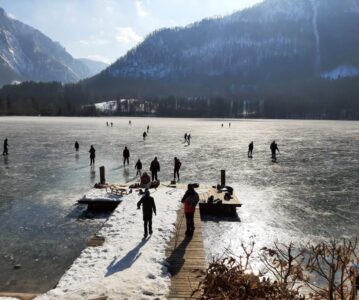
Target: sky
105 30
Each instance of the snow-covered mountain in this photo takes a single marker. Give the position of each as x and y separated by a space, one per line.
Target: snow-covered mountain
276 41
27 54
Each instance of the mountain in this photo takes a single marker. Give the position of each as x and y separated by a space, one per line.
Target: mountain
255 51
94 66
27 54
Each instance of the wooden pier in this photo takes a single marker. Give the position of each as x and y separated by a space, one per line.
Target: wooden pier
220 206
186 258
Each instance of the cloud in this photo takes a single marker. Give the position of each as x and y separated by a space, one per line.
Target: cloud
141 11
94 42
127 35
97 57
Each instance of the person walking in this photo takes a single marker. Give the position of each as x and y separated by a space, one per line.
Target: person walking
6 150
148 206
250 150
177 167
77 146
92 155
126 156
185 137
190 200
154 168
148 128
144 135
189 139
138 167
274 149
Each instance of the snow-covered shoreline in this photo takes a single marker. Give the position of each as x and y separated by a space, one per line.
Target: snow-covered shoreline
125 266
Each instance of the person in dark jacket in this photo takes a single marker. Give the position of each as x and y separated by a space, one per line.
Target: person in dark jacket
6 150
138 167
77 146
190 200
148 128
126 156
148 206
274 149
185 137
176 168
144 135
189 139
92 155
250 150
154 168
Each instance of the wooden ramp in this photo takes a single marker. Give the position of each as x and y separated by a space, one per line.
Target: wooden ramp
186 258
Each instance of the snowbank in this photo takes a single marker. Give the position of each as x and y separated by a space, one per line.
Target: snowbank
125 266
341 72
102 194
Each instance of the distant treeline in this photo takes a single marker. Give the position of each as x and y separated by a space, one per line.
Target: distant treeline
312 99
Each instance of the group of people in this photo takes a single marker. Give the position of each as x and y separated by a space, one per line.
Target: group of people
187 138
273 147
189 200
108 124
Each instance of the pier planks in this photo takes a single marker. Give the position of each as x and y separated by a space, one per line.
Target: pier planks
186 258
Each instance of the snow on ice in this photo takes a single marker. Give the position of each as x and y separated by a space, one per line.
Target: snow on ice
125 266
341 72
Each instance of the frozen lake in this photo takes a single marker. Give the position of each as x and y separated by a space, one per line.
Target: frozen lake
311 193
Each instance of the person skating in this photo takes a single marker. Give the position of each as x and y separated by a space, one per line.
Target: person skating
190 200
126 156
148 128
189 139
111 124
185 137
6 146
177 166
92 155
154 168
138 167
77 146
144 135
148 206
274 149
250 150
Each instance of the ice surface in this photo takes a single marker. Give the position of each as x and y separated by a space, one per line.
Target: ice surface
311 193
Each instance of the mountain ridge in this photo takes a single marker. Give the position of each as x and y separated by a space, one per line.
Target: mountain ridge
28 54
274 40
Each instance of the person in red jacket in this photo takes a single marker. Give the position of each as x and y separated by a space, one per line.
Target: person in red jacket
190 200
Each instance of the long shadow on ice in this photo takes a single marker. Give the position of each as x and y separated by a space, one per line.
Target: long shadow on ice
126 261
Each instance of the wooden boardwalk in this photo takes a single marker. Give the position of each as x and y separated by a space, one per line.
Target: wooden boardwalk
186 258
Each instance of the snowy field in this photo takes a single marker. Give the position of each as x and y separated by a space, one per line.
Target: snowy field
125 266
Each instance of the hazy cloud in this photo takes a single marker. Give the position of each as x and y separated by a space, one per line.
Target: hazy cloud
141 11
127 35
99 58
94 42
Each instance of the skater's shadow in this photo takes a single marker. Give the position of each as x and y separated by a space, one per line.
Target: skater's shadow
126 261
176 260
